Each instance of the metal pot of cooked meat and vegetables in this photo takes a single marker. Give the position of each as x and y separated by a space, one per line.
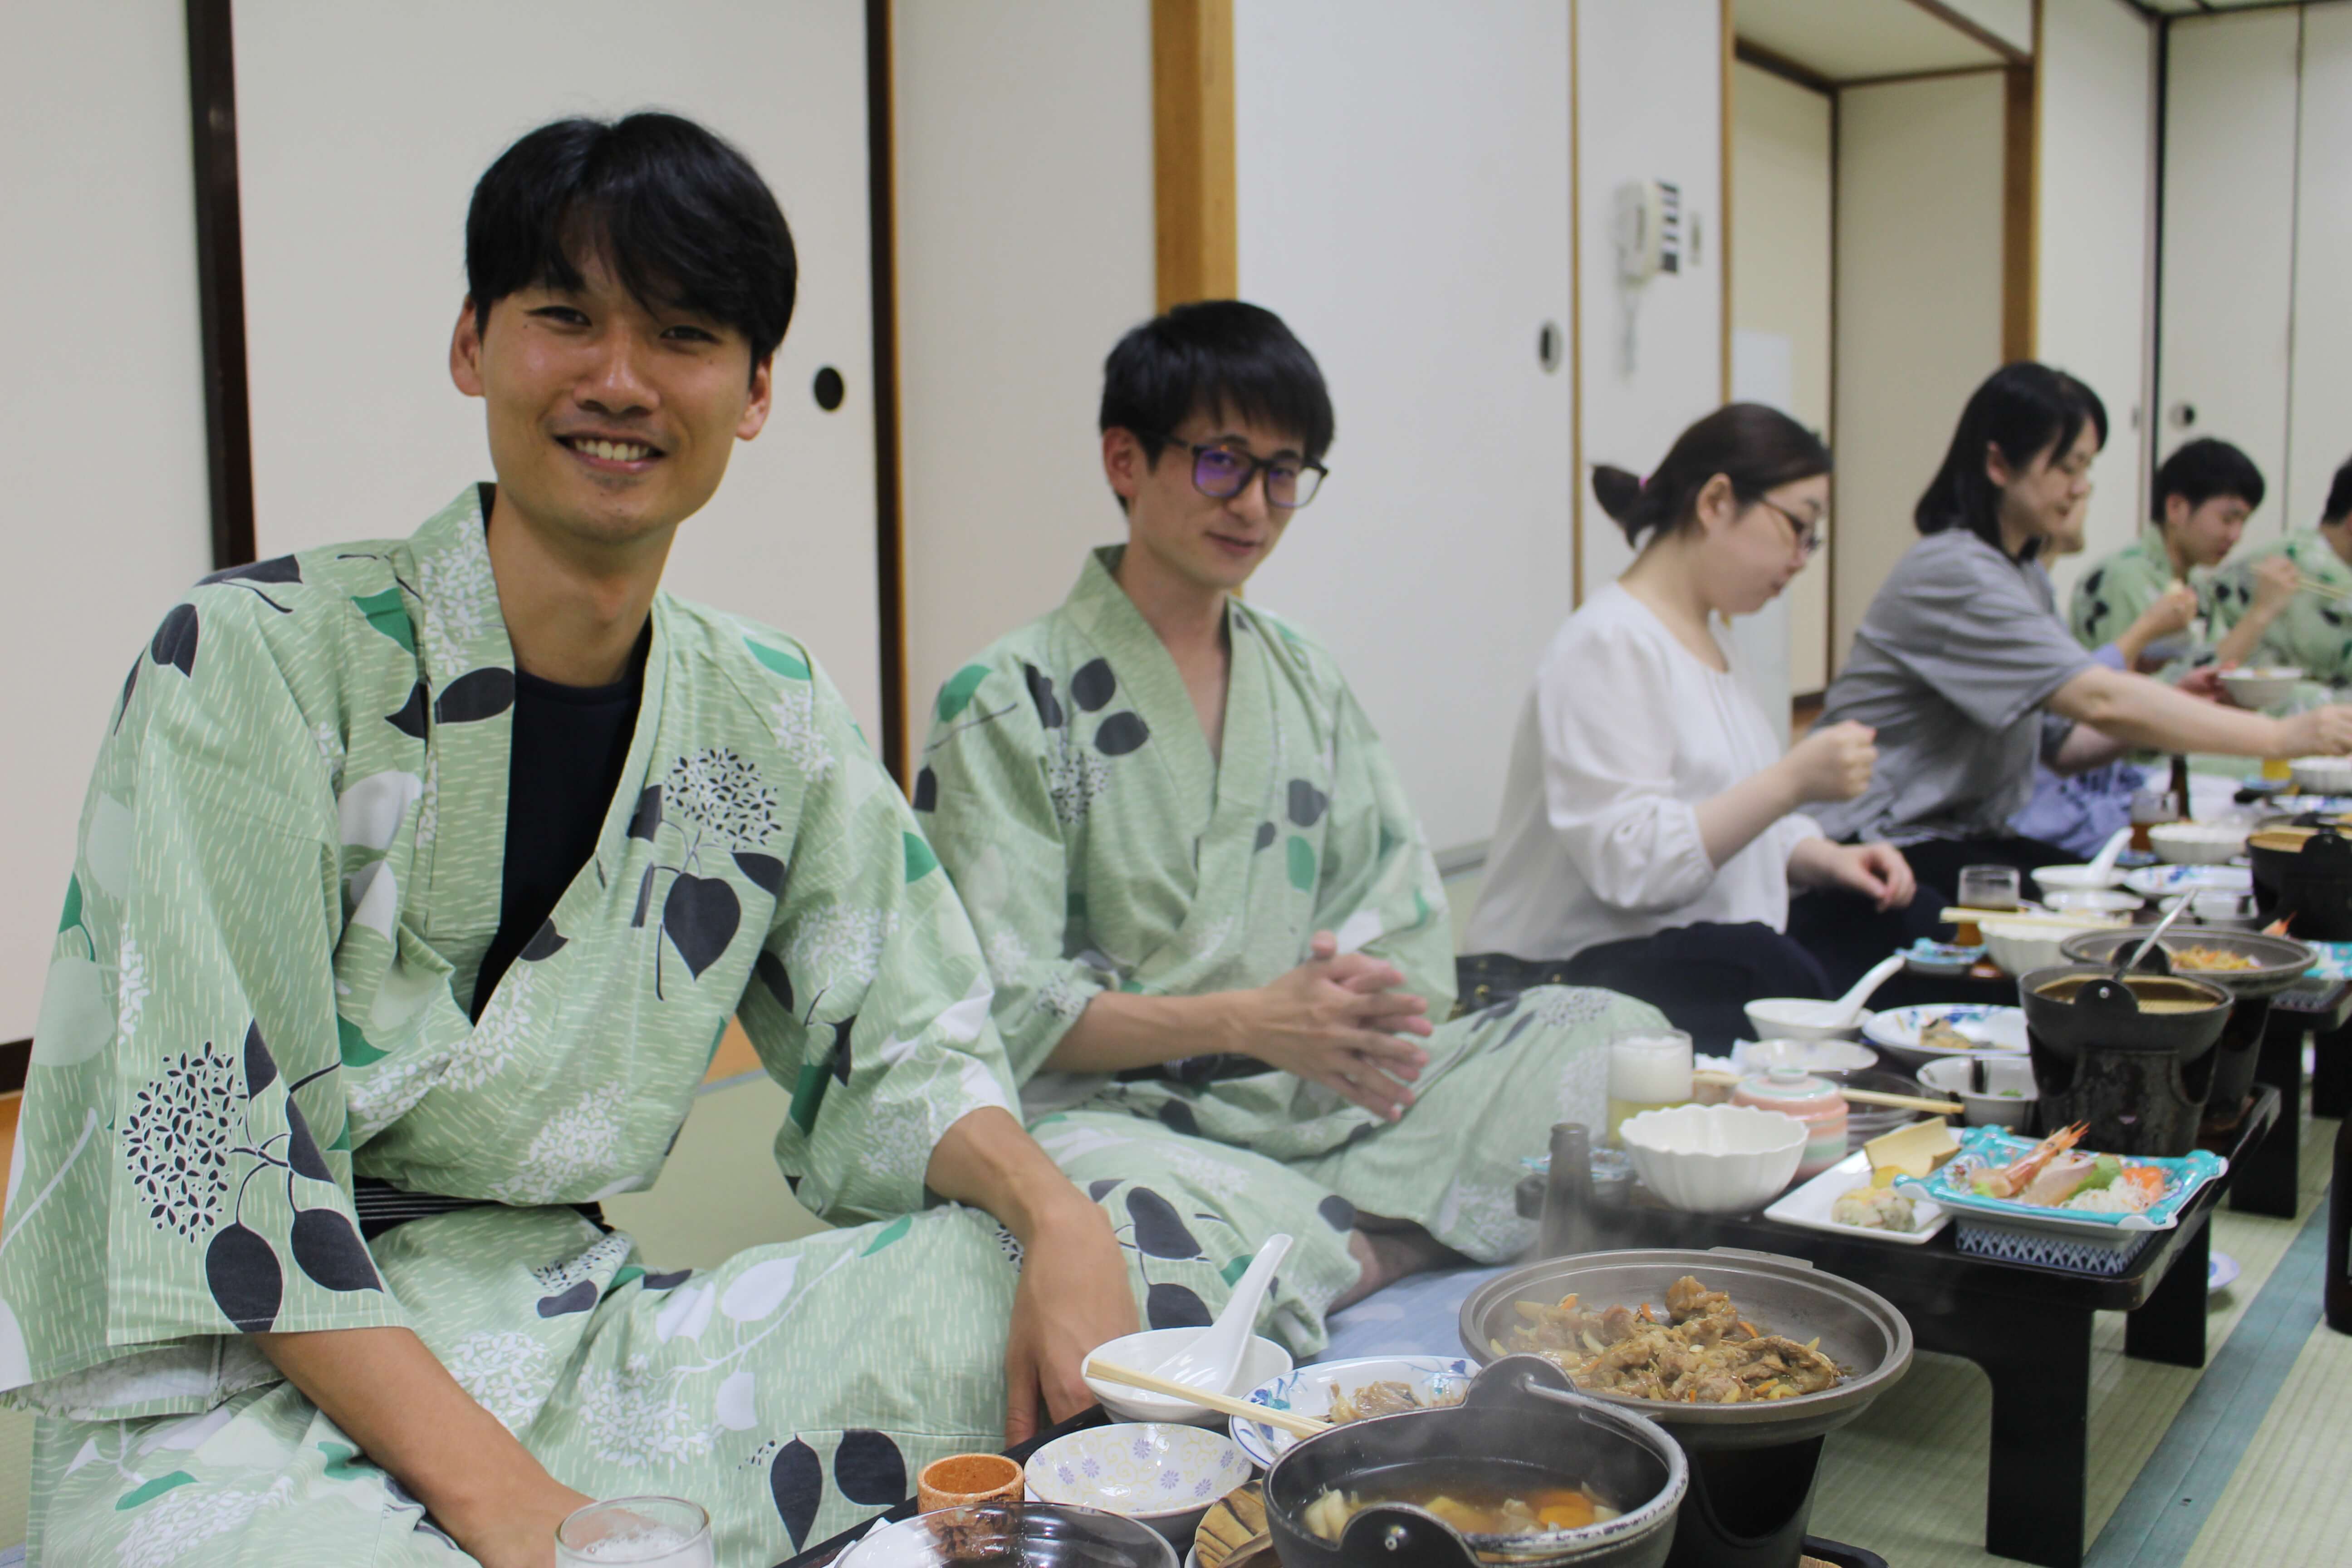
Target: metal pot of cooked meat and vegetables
1747 1360
2132 1057
1522 1472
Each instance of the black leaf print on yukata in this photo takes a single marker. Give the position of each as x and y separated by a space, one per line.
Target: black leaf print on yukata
1178 1116
772 973
579 1298
927 791
766 872
243 1276
411 720
724 795
276 569
645 897
1266 836
1337 1213
1094 684
176 1141
671 1281
1041 692
869 1470
646 820
1176 1306
1096 1189
700 917
2090 583
796 1482
1159 1230
1307 804
303 1145
477 694
175 639
331 1253
545 942
1121 734
261 1067
842 1061
130 684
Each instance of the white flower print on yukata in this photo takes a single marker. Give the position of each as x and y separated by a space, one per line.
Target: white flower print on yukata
572 1153
507 1373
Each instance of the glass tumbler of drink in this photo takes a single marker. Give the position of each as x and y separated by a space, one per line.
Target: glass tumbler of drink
1649 1070
641 1532
1985 888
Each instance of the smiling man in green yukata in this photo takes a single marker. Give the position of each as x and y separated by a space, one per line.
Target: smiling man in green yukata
415 884
1217 937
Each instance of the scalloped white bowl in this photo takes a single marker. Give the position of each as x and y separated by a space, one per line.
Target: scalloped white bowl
1714 1159
2197 843
2259 688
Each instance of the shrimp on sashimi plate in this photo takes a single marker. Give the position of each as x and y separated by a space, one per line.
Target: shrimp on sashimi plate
2010 1181
2053 1173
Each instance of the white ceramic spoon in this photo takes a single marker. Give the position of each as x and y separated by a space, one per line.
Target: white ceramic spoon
2103 864
1209 1361
1846 1011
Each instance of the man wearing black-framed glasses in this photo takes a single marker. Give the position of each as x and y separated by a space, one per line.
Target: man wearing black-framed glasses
1220 946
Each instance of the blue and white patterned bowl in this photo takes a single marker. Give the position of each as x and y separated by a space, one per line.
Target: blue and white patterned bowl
1308 1392
1163 1474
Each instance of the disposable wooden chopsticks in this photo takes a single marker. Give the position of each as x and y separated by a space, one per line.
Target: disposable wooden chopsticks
2029 917
1297 1426
1858 1096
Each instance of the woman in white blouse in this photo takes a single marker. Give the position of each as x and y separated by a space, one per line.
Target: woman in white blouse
1651 823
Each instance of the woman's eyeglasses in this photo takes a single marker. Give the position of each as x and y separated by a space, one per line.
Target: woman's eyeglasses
1809 535
1222 473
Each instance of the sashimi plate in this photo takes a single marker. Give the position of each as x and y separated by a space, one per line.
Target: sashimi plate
1985 1148
1810 1206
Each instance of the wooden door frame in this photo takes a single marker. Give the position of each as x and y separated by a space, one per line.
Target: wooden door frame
1196 236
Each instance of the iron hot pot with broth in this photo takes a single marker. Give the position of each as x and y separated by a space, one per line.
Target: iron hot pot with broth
1752 1464
1520 1427
2132 1057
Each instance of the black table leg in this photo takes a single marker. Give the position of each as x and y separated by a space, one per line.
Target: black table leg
2331 1073
2040 1374
2266 1180
2169 1326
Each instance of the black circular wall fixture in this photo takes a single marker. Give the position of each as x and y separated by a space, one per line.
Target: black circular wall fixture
828 388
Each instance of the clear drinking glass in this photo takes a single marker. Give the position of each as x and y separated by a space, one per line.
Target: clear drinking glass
1648 1070
641 1532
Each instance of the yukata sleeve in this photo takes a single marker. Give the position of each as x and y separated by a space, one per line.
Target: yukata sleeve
185 1166
868 1001
1378 890
987 791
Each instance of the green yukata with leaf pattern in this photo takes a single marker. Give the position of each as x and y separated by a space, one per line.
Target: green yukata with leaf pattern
2111 594
289 870
1099 846
2314 633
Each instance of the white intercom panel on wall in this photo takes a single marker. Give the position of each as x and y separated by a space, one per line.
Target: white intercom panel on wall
1649 229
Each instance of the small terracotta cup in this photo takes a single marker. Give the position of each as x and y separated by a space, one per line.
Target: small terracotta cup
962 1479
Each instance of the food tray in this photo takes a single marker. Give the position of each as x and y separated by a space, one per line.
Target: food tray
1984 1146
2079 1253
1809 1206
1994 1028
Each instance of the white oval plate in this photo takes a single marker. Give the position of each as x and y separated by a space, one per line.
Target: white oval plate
1308 1391
2162 882
1992 1028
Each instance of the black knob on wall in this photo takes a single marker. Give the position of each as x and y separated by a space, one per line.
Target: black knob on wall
828 388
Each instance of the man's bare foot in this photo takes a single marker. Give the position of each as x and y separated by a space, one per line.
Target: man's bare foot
1389 1251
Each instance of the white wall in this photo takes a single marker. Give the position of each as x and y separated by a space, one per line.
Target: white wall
2094 242
355 185
2011 21
1780 202
1649 106
1403 201
2229 239
1918 301
1025 248
2320 418
102 418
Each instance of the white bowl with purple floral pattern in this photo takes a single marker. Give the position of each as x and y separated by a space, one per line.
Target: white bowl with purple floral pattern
1159 1472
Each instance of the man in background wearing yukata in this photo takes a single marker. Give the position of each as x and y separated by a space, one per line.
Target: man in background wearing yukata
1218 943
416 882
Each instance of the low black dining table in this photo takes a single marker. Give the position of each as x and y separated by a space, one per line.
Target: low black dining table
2028 1326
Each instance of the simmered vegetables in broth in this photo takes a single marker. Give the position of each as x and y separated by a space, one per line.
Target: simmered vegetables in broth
1480 1503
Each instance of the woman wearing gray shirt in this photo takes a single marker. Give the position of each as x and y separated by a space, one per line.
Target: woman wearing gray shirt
1963 651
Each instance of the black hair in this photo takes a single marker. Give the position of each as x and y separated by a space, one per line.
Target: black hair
2339 496
680 217
1757 448
2025 409
2204 468
1223 356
